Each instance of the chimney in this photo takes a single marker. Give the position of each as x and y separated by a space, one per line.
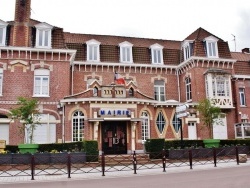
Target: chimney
21 33
245 50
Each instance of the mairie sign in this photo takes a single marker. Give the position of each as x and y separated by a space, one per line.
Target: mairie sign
116 112
182 110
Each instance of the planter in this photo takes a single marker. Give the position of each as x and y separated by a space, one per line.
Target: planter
42 158
5 158
210 143
79 157
28 148
21 158
59 158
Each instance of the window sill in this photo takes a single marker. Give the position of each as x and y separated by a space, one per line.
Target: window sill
41 96
243 106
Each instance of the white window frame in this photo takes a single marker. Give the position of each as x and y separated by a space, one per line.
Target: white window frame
188 89
242 96
43 41
3 29
40 86
187 49
78 126
211 47
159 90
126 55
156 54
145 126
93 50
1 81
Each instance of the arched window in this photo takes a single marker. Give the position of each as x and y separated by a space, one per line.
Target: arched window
176 123
78 126
131 92
160 122
95 91
145 126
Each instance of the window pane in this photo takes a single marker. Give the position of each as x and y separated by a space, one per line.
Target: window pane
160 122
1 36
40 38
1 81
95 53
90 52
45 85
37 85
46 38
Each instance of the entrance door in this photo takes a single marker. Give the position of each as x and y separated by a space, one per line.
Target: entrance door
192 134
114 137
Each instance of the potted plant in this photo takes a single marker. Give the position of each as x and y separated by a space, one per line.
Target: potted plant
209 114
28 115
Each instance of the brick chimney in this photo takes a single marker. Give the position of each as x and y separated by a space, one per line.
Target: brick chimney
245 50
21 33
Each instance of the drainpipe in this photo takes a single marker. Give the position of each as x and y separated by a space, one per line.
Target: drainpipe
178 85
63 124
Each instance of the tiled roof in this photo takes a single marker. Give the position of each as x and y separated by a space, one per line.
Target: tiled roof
240 56
116 40
242 66
200 34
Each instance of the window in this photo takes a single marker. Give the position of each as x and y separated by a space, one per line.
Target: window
187 49
176 123
95 91
3 26
126 52
188 89
211 46
160 122
220 86
156 54
145 126
93 50
159 90
43 35
242 97
78 126
1 81
131 92
41 83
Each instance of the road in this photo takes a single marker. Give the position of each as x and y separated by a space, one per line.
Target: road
234 177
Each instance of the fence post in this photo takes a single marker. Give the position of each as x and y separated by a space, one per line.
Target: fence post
164 160
69 165
103 164
134 162
32 167
237 155
215 157
190 158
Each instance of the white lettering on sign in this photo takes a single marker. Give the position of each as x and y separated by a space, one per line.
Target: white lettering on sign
111 112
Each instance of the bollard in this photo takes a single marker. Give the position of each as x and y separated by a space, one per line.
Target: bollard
215 157
237 155
69 165
103 164
134 162
32 167
164 160
190 158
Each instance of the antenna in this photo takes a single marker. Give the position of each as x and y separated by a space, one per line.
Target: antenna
234 42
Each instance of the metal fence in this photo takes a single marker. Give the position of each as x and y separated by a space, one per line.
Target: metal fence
79 163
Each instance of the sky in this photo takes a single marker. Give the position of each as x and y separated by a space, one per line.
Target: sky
157 19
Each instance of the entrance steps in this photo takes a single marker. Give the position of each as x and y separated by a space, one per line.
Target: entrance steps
126 159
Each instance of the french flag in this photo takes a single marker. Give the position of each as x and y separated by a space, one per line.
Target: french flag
119 79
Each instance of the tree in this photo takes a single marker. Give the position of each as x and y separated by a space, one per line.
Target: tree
209 113
28 115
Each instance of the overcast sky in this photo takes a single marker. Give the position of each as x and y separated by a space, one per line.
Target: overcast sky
160 19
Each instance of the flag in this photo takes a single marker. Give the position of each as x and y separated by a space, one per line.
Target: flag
119 79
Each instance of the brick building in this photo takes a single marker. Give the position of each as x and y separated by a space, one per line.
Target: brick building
117 90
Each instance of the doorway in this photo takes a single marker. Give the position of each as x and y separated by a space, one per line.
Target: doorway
114 137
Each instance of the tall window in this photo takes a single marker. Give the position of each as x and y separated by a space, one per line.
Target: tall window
41 82
126 52
176 122
220 86
3 26
145 126
95 91
159 89
1 81
188 89
131 92
242 97
156 54
93 50
78 126
188 50
43 35
160 122
211 46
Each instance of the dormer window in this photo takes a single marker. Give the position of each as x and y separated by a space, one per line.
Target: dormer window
126 52
3 26
156 54
43 35
211 46
93 50
187 49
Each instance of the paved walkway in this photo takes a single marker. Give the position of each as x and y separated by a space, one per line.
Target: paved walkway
144 172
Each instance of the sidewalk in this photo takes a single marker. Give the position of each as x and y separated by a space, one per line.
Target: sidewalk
115 174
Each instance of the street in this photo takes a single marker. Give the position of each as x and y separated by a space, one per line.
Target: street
234 177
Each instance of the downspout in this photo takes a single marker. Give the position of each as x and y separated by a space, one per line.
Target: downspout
63 124
178 85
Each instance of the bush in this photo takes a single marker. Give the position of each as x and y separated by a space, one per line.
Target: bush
91 149
154 147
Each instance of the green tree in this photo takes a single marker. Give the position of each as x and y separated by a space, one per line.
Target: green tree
209 113
28 115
